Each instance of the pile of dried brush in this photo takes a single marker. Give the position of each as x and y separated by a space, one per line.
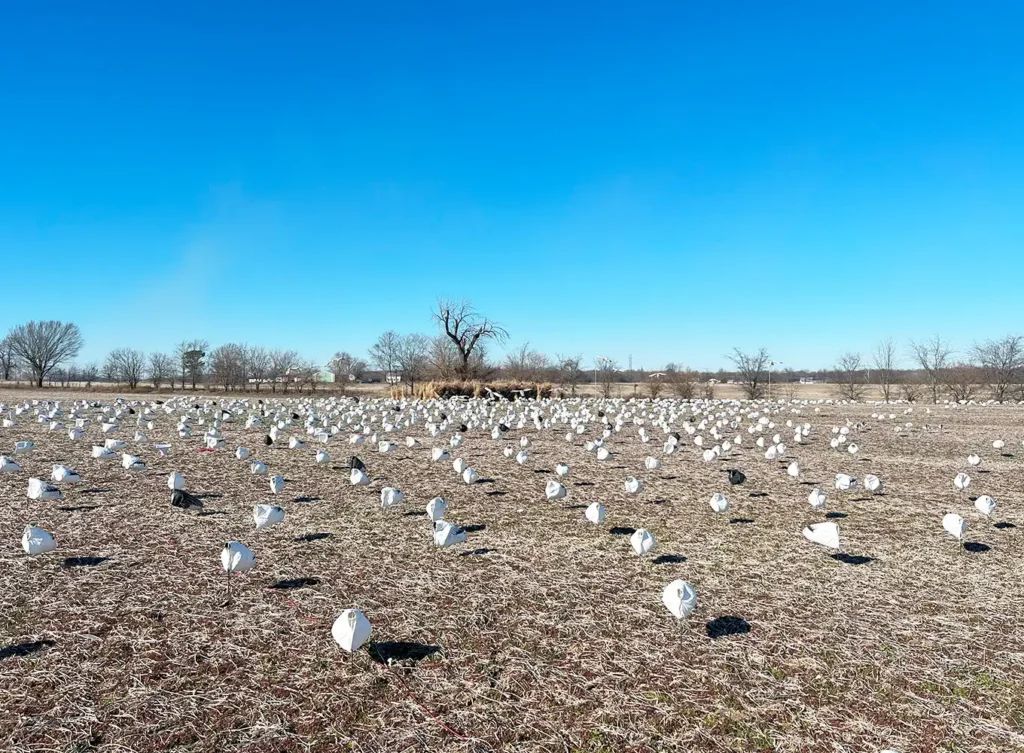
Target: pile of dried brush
507 389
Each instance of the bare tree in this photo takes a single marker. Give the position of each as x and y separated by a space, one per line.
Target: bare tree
346 368
126 365
569 371
90 373
933 357
910 390
606 369
43 346
308 372
683 380
282 362
259 365
1002 362
524 364
467 330
161 369
385 354
752 371
191 355
7 359
413 358
886 360
963 380
850 369
444 358
227 365
655 384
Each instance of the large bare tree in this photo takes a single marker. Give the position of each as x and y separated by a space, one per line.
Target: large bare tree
282 363
468 331
851 384
385 354
933 356
683 380
259 365
413 358
606 369
126 365
525 364
7 360
963 380
886 360
1002 362
569 371
346 368
161 369
752 370
43 346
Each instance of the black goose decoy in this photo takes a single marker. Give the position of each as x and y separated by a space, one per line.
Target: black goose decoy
444 416
676 435
267 440
463 429
295 416
355 462
131 411
502 428
184 500
736 477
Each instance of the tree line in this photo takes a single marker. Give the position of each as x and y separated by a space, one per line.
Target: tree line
458 351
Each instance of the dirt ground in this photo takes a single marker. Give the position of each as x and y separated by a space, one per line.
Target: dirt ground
543 632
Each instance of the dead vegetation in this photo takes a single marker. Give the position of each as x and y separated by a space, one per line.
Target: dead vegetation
543 632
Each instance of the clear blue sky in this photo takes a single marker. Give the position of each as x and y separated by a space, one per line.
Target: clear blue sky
667 180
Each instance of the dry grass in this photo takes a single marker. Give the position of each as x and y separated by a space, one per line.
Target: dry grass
543 633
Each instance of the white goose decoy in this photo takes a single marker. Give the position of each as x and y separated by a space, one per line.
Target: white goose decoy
438 454
267 515
162 449
63 475
385 447
961 481
719 503
845 482
554 490
642 542
603 453
175 481
680 599
985 505
793 470
954 525
391 497
351 630
872 483
258 468
522 457
37 541
276 484
652 463
39 489
322 457
23 448
456 441
562 470
470 476
524 442
973 460
633 485
236 557
132 463
74 433
459 465
508 452
436 508
241 453
852 448
412 442
103 453
8 466
358 477
826 534
447 534
596 513
816 499
998 444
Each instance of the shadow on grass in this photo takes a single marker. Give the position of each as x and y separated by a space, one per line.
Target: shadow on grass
622 531
291 583
25 649
721 627
474 552
314 536
84 561
669 559
740 521
976 547
851 559
79 508
386 652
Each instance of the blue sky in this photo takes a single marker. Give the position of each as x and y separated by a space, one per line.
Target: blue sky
666 180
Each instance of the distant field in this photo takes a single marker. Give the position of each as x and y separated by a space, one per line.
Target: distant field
542 632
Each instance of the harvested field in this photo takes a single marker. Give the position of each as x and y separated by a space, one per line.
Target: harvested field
543 632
